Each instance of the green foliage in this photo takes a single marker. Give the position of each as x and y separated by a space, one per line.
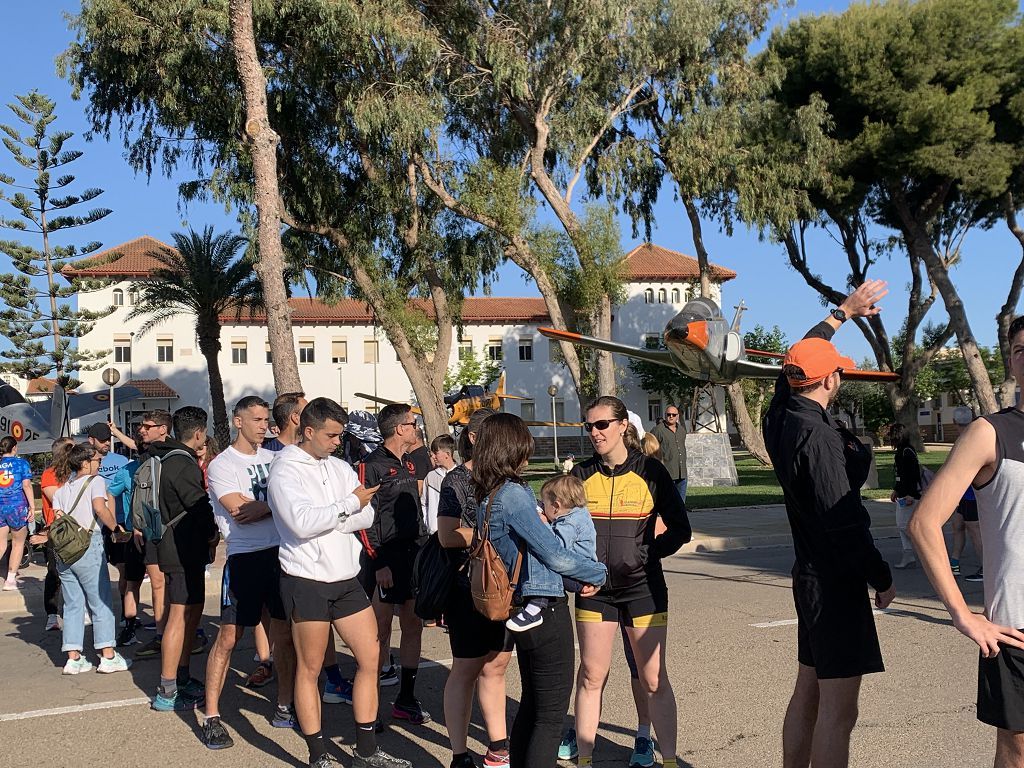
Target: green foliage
757 391
38 318
866 402
947 374
472 369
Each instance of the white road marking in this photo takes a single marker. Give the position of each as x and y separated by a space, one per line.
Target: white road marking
791 622
70 710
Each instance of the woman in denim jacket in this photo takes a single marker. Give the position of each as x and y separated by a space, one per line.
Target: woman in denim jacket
546 654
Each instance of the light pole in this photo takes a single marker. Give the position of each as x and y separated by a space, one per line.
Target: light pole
341 384
110 377
131 354
552 391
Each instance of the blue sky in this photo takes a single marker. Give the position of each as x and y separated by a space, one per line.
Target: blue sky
775 294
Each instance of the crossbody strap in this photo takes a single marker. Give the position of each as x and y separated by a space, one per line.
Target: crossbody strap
514 580
78 498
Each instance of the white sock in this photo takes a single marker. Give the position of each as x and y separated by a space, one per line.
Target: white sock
534 607
643 731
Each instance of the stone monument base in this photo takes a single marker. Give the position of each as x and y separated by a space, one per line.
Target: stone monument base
709 460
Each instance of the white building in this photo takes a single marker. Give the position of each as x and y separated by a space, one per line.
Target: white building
341 351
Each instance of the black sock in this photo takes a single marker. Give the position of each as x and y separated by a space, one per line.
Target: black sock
366 739
317 745
460 759
333 673
405 692
501 745
183 675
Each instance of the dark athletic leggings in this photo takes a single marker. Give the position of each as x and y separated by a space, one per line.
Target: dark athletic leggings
546 669
51 585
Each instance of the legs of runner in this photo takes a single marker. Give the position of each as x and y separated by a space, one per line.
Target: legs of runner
357 632
156 584
17 552
595 639
490 692
409 649
648 644
179 634
1009 749
957 549
310 640
458 700
801 714
284 658
819 720
217 665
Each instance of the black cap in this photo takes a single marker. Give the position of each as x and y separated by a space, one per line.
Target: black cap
100 431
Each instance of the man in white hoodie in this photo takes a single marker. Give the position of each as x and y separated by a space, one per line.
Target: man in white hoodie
318 505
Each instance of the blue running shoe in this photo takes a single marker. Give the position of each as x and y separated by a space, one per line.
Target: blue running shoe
643 753
338 694
284 717
175 703
568 750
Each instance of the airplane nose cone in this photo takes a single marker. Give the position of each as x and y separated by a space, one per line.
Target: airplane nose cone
694 333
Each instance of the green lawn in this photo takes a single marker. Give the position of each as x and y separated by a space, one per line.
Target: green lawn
758 484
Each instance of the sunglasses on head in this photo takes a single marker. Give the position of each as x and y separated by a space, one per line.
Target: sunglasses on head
601 425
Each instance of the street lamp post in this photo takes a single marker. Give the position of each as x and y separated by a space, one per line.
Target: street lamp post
552 391
131 354
110 377
341 384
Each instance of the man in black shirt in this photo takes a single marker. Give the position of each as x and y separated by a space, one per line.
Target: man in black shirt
821 468
390 546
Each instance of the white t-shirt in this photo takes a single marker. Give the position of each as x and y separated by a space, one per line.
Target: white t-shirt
83 512
431 497
235 472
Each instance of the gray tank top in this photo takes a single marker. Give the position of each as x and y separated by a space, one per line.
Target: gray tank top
1001 515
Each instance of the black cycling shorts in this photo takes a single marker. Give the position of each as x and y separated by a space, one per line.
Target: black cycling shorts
251 582
308 600
471 634
399 557
642 605
125 554
1001 689
968 508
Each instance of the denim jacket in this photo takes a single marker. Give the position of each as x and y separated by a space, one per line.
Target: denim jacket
515 524
577 534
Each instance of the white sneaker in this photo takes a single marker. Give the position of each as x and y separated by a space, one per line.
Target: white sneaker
52 622
88 619
11 584
77 666
116 663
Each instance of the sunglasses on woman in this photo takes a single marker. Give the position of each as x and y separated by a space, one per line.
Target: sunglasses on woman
600 425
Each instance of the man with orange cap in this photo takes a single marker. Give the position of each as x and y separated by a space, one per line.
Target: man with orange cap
821 467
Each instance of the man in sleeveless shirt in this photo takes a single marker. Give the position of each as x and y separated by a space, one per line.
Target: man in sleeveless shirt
989 456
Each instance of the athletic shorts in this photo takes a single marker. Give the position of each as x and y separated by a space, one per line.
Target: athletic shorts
13 518
399 557
187 587
835 628
969 509
251 582
1001 689
470 634
126 554
308 600
643 605
150 554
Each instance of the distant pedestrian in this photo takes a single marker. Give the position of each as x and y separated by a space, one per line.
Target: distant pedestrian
671 435
907 490
17 504
53 477
442 455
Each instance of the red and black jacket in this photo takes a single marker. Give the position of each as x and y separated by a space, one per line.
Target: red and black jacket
399 516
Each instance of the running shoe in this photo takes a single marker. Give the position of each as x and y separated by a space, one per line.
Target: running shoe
116 663
413 712
390 675
338 694
52 622
175 703
11 584
643 753
201 642
568 749
193 689
127 636
324 761
979 576
284 717
77 666
954 566
150 650
496 758
263 674
466 761
379 759
215 735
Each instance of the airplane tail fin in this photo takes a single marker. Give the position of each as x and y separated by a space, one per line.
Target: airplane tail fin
500 390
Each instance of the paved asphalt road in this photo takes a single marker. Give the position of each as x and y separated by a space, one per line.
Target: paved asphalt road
732 662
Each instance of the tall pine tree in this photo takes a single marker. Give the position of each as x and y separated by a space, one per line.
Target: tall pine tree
39 320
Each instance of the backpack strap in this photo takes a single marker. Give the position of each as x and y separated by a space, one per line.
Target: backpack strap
514 580
78 498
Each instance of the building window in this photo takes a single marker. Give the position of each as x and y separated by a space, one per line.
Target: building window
675 295
649 296
122 350
370 351
559 410
465 350
662 295
528 410
652 341
654 410
118 297
165 350
555 352
526 350
133 298
339 351
307 352
239 353
270 357
495 350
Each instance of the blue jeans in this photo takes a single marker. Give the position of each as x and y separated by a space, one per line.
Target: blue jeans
87 582
681 487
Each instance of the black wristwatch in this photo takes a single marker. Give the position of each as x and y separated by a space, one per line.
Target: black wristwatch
838 314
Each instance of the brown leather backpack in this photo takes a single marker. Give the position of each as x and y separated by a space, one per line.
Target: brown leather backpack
489 583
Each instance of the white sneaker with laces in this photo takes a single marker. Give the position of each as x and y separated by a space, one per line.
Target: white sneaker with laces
52 622
77 666
11 584
116 663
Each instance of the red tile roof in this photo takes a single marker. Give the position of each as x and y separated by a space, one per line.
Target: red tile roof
132 259
649 262
496 310
152 389
40 386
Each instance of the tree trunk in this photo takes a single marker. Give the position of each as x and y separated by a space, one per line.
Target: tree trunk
605 364
209 346
263 142
697 234
750 434
1008 387
905 407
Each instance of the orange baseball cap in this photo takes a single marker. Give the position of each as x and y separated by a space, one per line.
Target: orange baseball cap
817 358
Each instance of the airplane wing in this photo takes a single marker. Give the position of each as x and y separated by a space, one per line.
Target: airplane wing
658 356
557 423
385 401
772 355
870 376
509 397
83 403
23 422
748 369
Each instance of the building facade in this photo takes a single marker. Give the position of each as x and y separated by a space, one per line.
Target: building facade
341 351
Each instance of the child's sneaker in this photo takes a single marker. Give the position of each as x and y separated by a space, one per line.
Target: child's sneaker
116 663
77 666
529 616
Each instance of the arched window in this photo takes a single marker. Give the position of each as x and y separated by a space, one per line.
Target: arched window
649 296
133 298
662 296
118 297
675 295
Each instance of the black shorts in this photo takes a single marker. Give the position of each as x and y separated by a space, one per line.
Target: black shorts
643 605
308 600
251 582
187 587
470 634
150 554
968 508
835 628
1001 689
125 554
399 557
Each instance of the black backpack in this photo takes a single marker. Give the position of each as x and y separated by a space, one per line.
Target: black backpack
432 579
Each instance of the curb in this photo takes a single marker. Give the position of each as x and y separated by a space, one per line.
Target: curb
708 544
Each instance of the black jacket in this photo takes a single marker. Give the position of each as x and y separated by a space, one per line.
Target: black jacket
187 544
624 503
908 473
821 467
399 515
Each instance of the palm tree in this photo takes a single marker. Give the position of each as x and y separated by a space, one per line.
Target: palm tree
203 277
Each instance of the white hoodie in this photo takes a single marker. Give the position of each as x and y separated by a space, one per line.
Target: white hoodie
316 515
